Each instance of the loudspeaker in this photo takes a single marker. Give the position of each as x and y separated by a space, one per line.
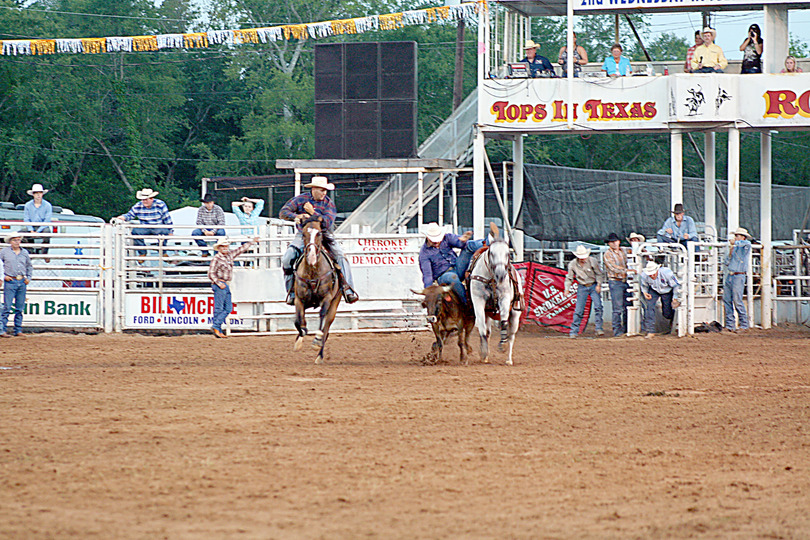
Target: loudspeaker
365 100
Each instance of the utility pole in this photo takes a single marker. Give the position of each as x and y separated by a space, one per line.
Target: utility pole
458 78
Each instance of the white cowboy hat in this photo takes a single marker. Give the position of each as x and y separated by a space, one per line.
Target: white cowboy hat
530 44
224 241
37 188
146 193
434 232
743 231
651 268
582 252
636 235
708 30
320 182
10 236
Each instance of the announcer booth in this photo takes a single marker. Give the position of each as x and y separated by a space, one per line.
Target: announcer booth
509 108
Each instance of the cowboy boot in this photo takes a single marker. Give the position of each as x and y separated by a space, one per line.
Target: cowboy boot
348 293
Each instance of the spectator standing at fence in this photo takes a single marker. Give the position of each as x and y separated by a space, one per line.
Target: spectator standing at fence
616 269
17 273
38 210
300 208
220 273
248 212
211 218
148 211
659 282
690 52
678 228
589 277
734 282
709 57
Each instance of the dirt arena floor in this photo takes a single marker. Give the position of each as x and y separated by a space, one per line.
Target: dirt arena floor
130 436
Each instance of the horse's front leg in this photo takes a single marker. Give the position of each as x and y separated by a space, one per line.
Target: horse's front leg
479 301
300 324
328 312
514 324
505 310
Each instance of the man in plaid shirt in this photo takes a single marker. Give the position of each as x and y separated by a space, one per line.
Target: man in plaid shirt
148 211
300 208
212 217
220 273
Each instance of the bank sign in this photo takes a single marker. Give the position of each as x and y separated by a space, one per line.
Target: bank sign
182 311
62 309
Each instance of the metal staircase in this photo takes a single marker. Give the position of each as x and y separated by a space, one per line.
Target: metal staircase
396 201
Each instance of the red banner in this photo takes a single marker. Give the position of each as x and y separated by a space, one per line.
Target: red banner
547 302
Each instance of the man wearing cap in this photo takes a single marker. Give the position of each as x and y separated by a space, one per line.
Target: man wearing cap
212 217
220 273
734 282
17 273
300 208
438 261
678 228
709 57
38 210
616 269
540 66
148 211
659 282
589 277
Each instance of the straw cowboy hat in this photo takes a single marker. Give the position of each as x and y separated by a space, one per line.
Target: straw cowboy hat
582 252
11 236
434 232
146 193
711 31
743 231
636 235
37 188
224 241
320 182
651 268
530 44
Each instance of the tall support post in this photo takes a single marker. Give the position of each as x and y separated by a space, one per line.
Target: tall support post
517 179
479 173
454 195
420 183
570 63
775 35
297 183
709 184
733 180
676 168
765 175
441 198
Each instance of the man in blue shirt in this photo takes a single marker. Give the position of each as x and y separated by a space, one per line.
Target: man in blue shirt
299 209
540 66
148 211
17 273
678 229
617 65
659 282
734 282
38 210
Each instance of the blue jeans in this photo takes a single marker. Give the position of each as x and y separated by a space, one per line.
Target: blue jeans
596 306
145 231
203 243
618 297
13 293
464 258
733 289
451 278
222 305
667 311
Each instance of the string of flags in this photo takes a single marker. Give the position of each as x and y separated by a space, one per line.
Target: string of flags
316 30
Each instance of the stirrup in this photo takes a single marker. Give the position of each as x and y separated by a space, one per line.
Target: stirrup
290 298
349 295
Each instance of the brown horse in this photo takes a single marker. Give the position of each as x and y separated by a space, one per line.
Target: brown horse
316 285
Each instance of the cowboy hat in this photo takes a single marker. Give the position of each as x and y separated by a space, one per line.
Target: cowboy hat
582 252
37 188
613 237
223 241
434 232
651 268
707 30
743 231
530 44
636 235
11 236
320 182
678 209
207 198
145 193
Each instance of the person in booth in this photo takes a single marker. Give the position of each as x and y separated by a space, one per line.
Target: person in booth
540 66
300 208
752 51
617 65
690 52
709 57
580 58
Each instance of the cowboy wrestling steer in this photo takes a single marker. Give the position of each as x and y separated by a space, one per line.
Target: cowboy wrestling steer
446 314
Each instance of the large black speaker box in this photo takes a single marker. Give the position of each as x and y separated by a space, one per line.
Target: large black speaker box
365 100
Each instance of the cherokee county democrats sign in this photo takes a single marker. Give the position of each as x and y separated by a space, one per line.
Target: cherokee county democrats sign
596 5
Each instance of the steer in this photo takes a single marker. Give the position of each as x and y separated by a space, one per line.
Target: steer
446 314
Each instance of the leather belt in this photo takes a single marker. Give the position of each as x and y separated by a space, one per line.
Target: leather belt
736 273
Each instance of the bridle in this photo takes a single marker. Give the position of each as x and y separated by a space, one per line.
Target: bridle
315 283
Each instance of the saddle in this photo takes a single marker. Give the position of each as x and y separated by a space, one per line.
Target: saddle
491 308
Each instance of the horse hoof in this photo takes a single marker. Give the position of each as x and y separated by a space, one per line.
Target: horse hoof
299 340
509 362
319 359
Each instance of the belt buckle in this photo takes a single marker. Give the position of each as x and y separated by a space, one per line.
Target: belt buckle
19 278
